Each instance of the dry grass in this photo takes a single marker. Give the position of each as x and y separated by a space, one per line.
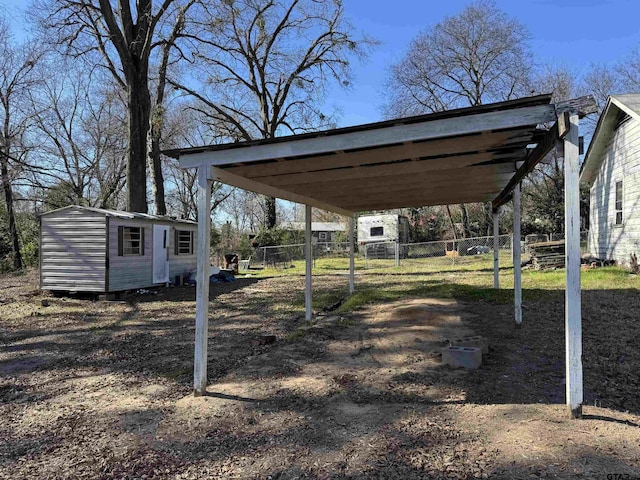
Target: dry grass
102 389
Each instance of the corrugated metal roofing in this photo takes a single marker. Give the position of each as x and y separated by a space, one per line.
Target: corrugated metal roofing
121 214
315 226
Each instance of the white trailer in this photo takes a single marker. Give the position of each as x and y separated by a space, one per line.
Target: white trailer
377 234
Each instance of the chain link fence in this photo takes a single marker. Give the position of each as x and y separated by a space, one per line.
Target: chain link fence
283 256
456 251
391 254
556 237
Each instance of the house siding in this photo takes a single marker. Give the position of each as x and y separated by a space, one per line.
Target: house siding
621 162
73 247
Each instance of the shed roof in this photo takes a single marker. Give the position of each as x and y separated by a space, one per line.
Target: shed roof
315 226
474 154
121 214
628 104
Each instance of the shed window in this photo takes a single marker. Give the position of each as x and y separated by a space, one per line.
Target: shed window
376 231
130 241
322 235
184 242
619 203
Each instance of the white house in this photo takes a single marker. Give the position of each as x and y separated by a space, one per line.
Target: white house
612 170
321 231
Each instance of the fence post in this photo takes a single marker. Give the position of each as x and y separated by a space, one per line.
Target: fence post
366 256
397 253
496 249
264 257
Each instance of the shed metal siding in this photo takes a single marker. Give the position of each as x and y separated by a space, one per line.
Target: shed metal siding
621 162
136 271
73 248
182 264
129 272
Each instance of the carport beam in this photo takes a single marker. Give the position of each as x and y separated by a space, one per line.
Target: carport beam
352 246
202 283
309 263
573 313
517 263
496 249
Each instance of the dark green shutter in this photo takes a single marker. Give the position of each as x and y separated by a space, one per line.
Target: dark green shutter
176 236
120 240
141 240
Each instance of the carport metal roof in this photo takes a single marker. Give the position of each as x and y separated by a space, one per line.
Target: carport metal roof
474 154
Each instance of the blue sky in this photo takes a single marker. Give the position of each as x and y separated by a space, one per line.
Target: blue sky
568 32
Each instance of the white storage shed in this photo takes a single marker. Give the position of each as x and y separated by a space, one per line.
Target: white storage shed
85 249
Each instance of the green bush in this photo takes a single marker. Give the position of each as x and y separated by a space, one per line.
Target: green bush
245 250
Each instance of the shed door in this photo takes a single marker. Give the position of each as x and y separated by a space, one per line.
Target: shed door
160 254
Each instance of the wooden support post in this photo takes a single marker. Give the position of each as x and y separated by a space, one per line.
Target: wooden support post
202 283
496 249
573 314
309 263
517 261
352 248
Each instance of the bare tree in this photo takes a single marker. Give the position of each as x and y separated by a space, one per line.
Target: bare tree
475 57
80 139
267 64
628 71
246 210
124 36
182 126
601 80
167 46
543 188
17 64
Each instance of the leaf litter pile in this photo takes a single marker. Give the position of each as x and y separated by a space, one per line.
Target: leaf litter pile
99 389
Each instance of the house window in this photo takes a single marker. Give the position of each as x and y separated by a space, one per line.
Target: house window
130 241
376 231
184 242
619 203
322 236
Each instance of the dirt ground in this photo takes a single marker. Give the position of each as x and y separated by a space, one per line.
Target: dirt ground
96 389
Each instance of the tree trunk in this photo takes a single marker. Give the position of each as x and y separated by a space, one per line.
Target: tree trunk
487 209
453 225
270 210
8 198
155 164
139 106
465 221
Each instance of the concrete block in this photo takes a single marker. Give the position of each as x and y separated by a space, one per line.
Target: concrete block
109 297
465 357
475 341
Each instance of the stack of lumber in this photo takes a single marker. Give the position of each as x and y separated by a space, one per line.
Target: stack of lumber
547 255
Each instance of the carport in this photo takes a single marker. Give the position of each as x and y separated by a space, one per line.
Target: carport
476 154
